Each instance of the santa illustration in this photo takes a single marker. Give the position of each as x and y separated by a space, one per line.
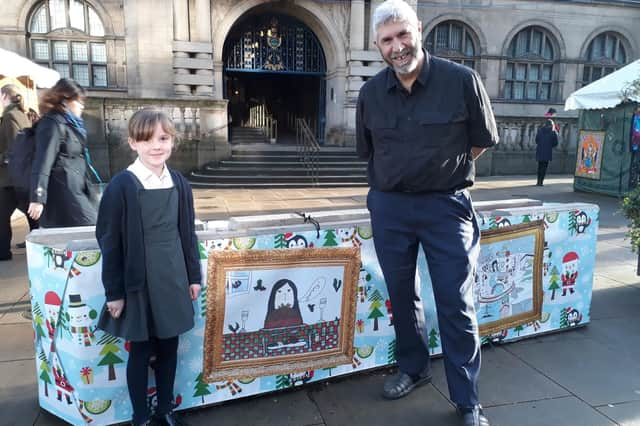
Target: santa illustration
569 272
81 320
52 304
63 387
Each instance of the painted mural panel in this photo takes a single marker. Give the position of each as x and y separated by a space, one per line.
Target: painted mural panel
279 311
589 157
81 371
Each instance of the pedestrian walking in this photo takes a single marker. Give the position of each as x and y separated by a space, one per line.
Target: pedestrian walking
546 140
14 119
61 190
421 123
148 210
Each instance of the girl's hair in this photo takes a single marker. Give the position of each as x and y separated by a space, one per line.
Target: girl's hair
65 89
13 93
144 122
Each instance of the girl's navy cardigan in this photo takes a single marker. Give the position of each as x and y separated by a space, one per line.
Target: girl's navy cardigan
119 235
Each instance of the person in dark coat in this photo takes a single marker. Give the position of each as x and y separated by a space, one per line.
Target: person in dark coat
14 119
61 191
546 140
150 262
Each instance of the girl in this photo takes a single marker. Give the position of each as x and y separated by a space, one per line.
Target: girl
14 119
150 266
60 188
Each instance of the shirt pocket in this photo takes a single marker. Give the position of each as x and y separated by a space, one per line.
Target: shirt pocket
384 132
437 128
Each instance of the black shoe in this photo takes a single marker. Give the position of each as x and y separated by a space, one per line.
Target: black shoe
171 419
473 416
402 384
21 245
6 257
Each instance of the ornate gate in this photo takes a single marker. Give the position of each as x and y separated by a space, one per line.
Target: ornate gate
274 44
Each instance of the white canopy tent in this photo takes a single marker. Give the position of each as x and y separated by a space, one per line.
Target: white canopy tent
16 66
606 92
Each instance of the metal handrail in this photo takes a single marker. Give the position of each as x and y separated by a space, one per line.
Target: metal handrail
261 119
307 148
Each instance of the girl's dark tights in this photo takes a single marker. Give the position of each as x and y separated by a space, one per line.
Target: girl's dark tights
166 352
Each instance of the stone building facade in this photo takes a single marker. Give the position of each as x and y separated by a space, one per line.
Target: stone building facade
215 62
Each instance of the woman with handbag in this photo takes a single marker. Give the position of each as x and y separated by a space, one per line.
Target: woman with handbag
61 191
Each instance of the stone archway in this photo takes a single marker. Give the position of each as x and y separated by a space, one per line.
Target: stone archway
317 20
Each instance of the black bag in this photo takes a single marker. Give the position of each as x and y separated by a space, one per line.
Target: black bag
20 159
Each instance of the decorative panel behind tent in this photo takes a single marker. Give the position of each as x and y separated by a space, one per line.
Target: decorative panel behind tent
616 156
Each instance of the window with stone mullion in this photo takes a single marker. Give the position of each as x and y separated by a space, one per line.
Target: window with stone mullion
452 40
80 55
529 70
604 55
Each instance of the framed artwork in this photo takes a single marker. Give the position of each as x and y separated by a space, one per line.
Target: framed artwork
589 155
279 311
508 291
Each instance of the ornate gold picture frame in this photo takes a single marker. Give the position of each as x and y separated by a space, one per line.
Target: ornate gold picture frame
279 311
508 288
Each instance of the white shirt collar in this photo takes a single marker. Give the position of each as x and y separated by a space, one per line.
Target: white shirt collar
149 179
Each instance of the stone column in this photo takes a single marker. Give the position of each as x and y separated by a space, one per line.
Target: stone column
202 33
218 68
213 128
356 33
372 39
181 33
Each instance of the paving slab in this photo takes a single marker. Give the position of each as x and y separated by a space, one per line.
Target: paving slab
357 401
627 414
292 408
588 369
17 343
17 313
47 419
616 302
18 404
619 334
551 412
505 379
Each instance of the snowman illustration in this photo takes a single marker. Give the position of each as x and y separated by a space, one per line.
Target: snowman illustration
569 272
52 304
81 318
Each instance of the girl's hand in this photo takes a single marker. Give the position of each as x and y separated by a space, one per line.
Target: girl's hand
35 210
115 308
194 291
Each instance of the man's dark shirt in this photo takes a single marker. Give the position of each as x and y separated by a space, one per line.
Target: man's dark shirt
421 141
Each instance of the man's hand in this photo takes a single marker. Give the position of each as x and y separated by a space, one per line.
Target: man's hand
35 210
477 152
194 291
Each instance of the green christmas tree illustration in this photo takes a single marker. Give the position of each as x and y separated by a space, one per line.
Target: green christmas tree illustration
492 223
553 282
374 308
108 352
38 320
283 382
203 301
433 340
44 372
518 329
279 241
564 320
573 222
201 388
391 352
330 238
526 218
202 251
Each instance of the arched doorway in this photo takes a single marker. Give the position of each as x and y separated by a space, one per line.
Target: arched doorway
275 67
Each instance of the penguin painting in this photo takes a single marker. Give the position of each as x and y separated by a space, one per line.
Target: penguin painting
283 309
